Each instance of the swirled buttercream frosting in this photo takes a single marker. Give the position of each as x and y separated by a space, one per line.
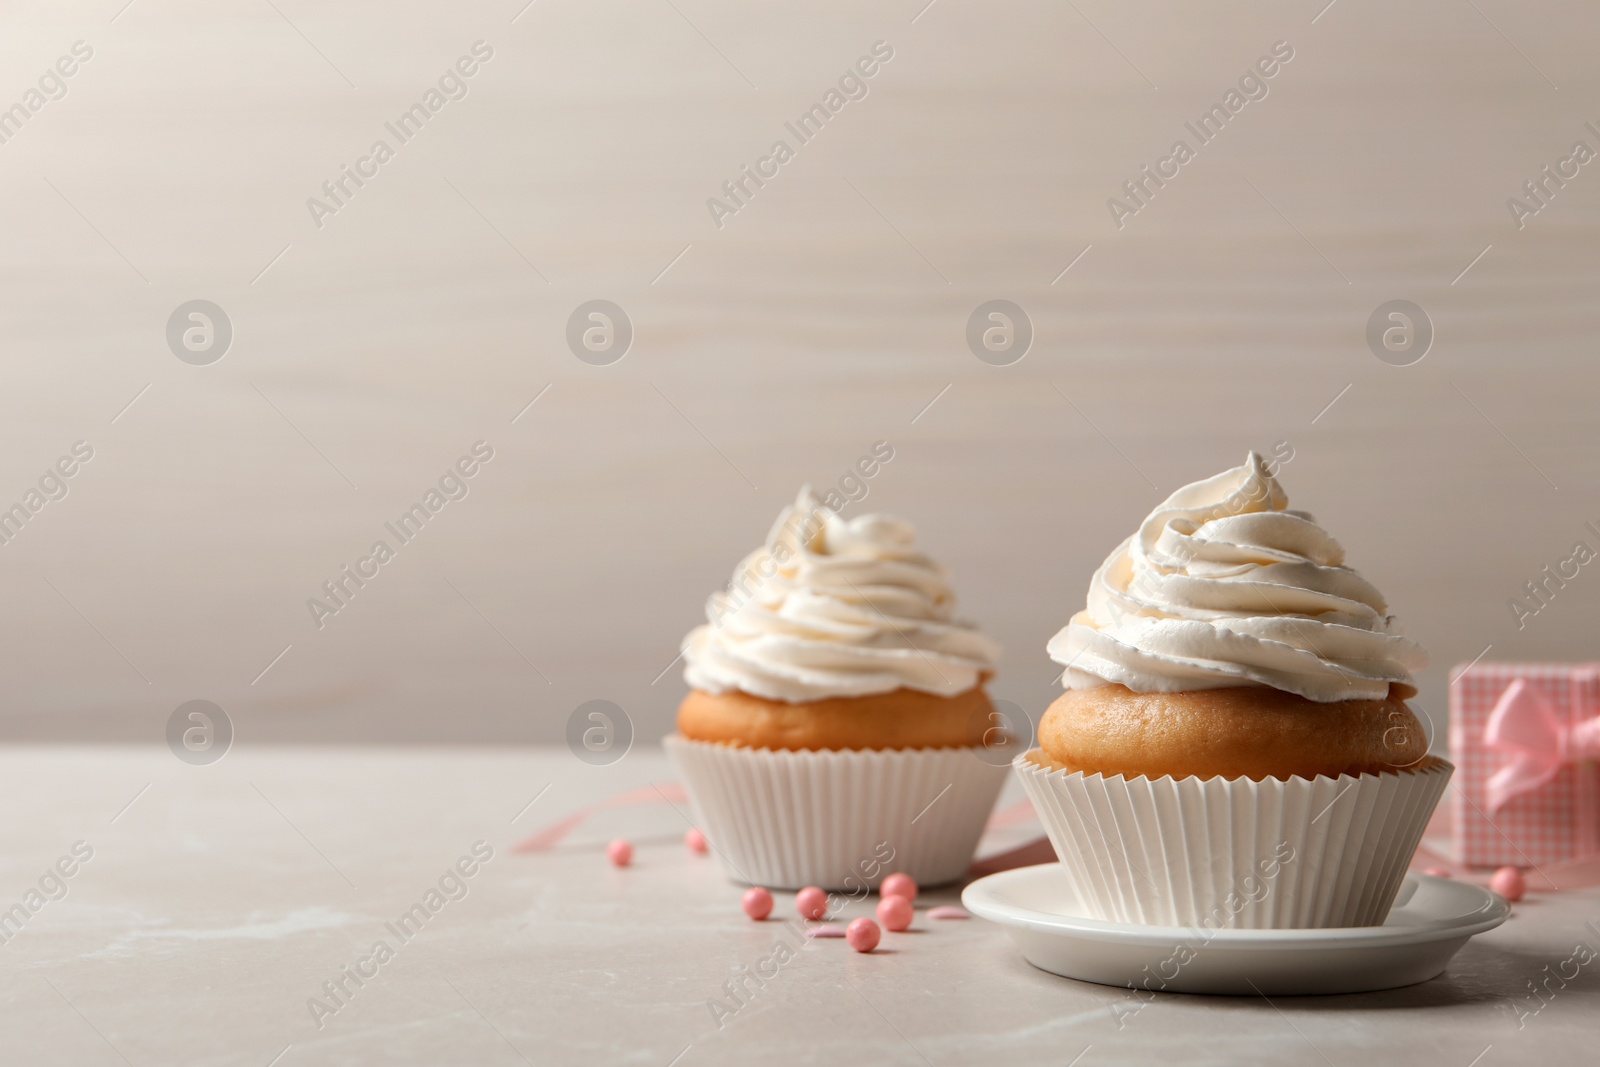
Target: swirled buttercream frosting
835 607
1224 586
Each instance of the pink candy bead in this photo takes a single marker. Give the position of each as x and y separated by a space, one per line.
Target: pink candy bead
621 852
863 935
757 903
1437 872
696 841
811 903
899 885
1509 883
895 913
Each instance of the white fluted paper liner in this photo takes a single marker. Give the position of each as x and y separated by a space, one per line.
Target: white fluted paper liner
1299 854
787 819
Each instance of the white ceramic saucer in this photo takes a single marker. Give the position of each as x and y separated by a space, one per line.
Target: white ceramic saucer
1430 921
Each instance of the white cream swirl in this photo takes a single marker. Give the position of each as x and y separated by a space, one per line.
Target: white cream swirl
834 608
1224 586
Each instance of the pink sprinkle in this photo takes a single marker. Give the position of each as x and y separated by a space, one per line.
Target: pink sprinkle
621 852
1509 883
696 841
949 911
824 931
899 885
757 903
811 902
895 913
863 935
1437 872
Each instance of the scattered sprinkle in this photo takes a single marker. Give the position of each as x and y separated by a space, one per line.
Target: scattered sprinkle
1509 883
899 885
757 903
863 935
811 902
895 913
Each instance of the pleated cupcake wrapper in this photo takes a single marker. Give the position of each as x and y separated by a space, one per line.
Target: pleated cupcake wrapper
786 819
1297 854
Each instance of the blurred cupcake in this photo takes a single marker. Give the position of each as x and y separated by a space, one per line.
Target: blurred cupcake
837 711
1234 747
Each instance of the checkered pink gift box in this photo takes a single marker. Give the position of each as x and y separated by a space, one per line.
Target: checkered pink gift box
1556 822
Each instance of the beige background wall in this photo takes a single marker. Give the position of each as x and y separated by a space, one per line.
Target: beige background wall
1226 314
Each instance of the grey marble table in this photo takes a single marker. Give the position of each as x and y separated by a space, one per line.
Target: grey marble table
215 902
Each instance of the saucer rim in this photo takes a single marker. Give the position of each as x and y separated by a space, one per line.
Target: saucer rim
979 898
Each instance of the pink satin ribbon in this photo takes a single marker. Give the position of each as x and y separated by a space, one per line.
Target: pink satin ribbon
1524 727
548 838
1433 852
552 835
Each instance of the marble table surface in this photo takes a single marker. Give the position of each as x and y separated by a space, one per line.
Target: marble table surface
207 906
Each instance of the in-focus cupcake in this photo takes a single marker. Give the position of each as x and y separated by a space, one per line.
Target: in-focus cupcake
834 728
1234 748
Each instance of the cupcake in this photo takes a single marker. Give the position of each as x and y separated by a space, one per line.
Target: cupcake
835 726
1234 746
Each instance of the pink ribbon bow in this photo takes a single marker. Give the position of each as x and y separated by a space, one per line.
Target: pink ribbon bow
1526 728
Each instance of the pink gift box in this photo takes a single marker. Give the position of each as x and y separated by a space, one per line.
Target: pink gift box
1558 821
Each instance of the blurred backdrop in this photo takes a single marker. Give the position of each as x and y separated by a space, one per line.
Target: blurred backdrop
371 316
